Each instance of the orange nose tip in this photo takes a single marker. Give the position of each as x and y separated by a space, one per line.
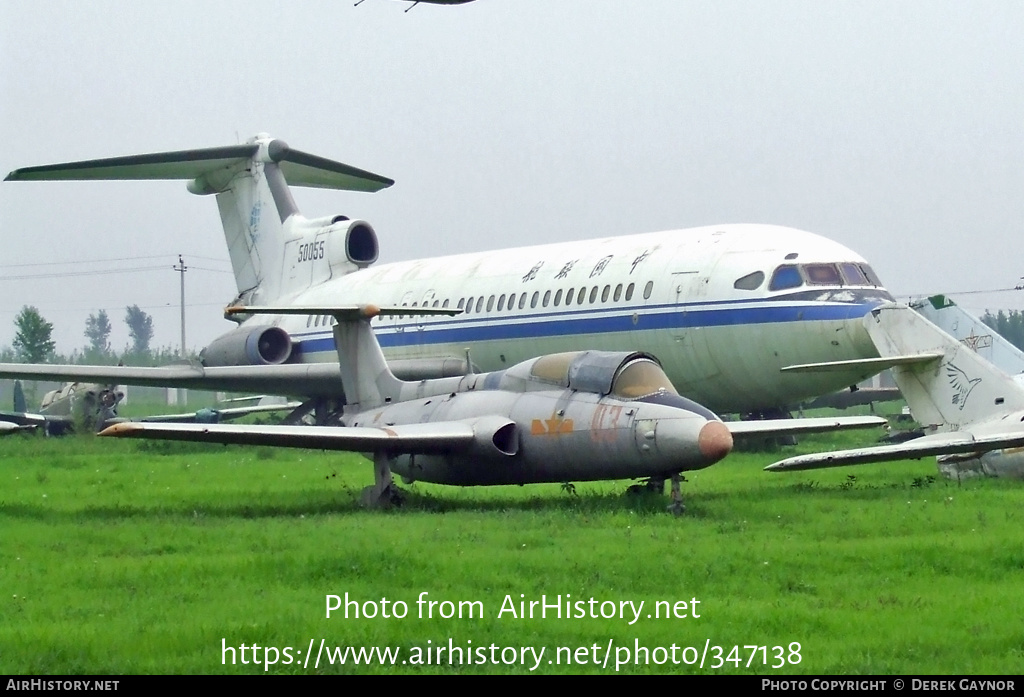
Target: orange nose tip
714 440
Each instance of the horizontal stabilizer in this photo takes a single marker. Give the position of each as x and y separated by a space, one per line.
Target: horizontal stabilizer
786 427
939 444
871 365
299 168
413 438
303 169
183 164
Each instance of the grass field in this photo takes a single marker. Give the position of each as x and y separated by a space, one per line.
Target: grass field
150 557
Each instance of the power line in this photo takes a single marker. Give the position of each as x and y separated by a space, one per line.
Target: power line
102 306
98 272
104 261
70 274
961 292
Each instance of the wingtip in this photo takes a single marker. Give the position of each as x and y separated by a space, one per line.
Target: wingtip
123 429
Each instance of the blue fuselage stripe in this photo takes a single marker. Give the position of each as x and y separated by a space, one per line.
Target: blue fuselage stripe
495 328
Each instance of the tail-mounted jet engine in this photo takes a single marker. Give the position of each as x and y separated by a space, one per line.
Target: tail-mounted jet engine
361 248
260 345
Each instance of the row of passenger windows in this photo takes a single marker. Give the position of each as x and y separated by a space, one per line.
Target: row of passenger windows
591 295
795 275
560 297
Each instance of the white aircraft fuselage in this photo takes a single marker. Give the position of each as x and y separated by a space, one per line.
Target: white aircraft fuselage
723 307
680 295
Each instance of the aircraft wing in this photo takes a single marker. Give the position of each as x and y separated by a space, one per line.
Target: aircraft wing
786 427
871 366
306 379
22 418
8 427
955 443
212 416
413 438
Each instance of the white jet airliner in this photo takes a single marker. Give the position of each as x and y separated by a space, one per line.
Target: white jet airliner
724 307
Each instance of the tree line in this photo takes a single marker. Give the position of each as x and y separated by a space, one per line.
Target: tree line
33 342
1009 325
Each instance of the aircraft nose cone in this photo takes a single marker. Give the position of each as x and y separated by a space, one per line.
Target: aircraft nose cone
714 441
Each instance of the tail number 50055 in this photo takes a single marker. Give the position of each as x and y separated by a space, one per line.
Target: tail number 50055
311 251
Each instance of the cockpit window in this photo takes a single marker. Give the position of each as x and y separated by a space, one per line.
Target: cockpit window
786 276
641 378
852 275
872 278
822 274
553 368
839 274
752 281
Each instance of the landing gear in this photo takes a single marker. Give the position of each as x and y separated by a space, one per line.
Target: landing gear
653 484
318 411
657 485
383 494
677 507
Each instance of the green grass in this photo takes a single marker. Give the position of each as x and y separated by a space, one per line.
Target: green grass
141 557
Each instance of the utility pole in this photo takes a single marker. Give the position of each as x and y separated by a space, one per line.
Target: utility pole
181 268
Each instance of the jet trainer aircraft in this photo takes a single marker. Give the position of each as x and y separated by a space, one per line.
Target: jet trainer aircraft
577 416
725 307
973 412
86 404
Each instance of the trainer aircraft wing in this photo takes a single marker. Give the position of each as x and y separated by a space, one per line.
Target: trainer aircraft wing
786 427
438 437
307 379
939 444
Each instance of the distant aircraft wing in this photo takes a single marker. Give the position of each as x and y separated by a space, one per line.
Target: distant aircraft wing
413 438
8 427
20 418
786 427
212 416
938 444
30 420
871 366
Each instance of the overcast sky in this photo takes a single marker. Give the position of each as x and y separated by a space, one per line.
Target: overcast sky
892 128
